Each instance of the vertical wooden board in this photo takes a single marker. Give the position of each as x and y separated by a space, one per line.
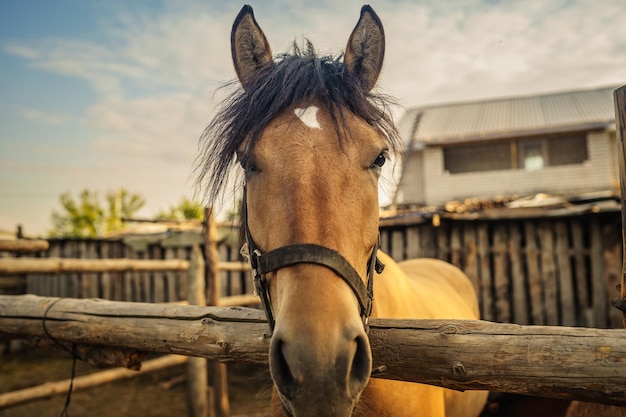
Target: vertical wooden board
470 266
612 254
567 299
385 240
619 104
599 299
533 274
224 276
158 277
413 249
442 234
484 255
170 277
129 277
116 249
71 250
456 254
428 239
580 273
180 276
500 275
397 245
105 277
56 251
548 273
519 294
234 286
93 279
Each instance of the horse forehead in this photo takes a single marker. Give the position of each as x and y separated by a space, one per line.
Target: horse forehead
302 129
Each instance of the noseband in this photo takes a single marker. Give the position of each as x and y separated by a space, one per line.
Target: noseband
308 253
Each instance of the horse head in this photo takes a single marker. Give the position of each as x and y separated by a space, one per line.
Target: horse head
311 138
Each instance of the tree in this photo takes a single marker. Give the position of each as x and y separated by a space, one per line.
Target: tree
121 204
185 210
87 216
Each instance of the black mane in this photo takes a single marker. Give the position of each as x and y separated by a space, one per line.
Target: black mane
298 77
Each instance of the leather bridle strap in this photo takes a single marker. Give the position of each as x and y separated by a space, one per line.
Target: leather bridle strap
308 253
313 254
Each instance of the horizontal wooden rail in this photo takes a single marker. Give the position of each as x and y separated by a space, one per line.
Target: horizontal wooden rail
23 245
238 300
560 362
233 266
48 389
59 265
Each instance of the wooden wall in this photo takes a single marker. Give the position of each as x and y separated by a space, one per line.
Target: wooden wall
545 271
131 286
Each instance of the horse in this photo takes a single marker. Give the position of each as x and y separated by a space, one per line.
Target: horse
310 136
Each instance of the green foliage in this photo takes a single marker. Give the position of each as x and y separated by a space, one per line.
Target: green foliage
185 210
121 204
88 217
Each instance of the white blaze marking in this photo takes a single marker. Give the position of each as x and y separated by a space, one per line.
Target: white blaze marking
308 116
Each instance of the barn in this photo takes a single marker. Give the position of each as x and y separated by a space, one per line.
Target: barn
559 143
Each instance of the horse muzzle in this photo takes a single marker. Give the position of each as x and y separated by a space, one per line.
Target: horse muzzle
318 376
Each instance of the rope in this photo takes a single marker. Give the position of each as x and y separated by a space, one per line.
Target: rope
68 398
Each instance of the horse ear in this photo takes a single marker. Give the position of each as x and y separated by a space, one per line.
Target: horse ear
366 48
249 46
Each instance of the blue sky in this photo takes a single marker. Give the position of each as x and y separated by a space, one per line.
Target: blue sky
106 94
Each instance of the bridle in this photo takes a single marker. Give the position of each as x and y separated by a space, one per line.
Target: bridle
308 253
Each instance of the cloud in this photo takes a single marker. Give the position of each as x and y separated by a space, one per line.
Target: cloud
155 71
20 50
52 119
489 49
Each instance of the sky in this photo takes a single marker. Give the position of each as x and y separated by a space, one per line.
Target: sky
100 95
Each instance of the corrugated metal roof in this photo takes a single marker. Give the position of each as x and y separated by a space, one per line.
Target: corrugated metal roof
509 117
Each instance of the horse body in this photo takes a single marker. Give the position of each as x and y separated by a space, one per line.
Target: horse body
311 141
427 289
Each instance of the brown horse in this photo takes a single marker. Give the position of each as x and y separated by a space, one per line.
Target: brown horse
311 138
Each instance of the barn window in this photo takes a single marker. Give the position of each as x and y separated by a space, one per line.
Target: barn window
568 150
476 158
526 154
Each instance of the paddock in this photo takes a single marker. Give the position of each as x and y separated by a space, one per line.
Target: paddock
574 265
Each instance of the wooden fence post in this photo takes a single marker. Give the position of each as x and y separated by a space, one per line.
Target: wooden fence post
620 121
219 372
197 389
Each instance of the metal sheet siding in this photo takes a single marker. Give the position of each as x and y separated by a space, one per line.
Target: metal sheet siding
506 117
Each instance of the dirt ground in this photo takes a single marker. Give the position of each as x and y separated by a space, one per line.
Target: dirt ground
162 393
143 396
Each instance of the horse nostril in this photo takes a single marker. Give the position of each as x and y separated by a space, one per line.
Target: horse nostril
279 368
361 365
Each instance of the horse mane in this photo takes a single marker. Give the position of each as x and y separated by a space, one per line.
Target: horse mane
300 76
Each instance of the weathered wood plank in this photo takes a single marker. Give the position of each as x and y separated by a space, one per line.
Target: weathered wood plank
23 245
397 245
484 252
620 122
535 288
470 267
413 249
567 299
79 383
519 299
502 288
599 301
580 272
548 273
563 362
66 265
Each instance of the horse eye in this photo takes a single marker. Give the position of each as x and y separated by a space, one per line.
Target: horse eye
246 163
380 160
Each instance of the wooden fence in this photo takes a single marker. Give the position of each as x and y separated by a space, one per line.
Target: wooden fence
139 286
540 269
